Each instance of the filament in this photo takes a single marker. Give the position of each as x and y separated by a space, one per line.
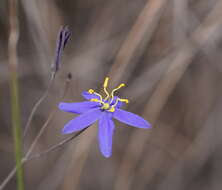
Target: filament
112 109
91 91
105 85
114 90
100 97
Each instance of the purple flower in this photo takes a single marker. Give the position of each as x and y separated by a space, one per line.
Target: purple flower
103 110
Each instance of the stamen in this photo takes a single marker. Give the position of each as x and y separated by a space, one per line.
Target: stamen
114 90
91 91
124 100
105 85
96 100
100 97
105 105
112 109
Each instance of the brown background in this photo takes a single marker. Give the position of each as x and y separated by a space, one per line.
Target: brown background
168 52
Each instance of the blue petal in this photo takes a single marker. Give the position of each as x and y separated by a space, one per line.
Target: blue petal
105 134
89 96
131 119
82 121
79 107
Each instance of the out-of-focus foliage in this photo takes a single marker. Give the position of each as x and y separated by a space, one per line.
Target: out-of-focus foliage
169 55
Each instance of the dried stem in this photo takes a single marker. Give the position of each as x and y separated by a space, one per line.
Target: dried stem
54 147
37 104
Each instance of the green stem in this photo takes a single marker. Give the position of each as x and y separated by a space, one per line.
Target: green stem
16 122
13 67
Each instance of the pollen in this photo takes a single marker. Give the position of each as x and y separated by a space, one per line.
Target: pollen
112 109
94 100
91 91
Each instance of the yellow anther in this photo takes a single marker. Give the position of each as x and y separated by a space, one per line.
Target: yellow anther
105 84
94 100
115 89
91 91
121 85
124 100
112 109
121 100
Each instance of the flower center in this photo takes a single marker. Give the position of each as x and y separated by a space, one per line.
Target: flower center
108 103
105 106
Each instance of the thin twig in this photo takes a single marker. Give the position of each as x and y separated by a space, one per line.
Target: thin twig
11 174
37 104
47 122
28 158
54 147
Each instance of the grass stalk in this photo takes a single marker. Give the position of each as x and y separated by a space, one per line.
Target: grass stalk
13 64
17 130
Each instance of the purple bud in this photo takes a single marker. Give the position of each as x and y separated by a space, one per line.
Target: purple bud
63 37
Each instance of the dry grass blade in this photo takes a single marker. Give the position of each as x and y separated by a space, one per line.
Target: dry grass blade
54 147
197 153
137 38
35 107
207 31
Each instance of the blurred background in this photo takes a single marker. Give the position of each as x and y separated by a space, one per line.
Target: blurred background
168 52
